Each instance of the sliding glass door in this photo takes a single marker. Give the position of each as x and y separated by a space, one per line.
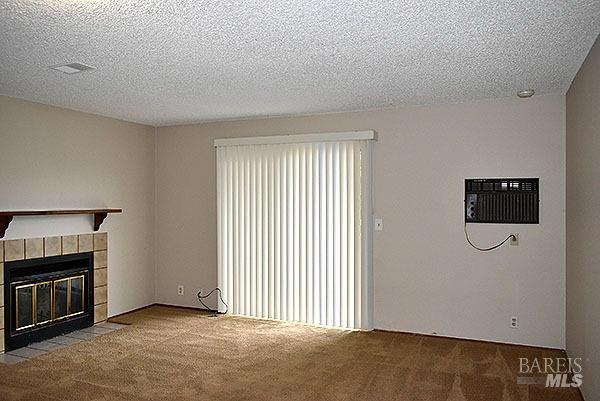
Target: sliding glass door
294 228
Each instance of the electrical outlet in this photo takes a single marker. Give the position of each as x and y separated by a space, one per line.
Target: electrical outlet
514 323
514 240
378 224
180 290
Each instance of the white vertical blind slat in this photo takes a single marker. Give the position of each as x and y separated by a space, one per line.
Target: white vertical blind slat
302 232
221 214
343 297
309 284
271 219
296 236
329 198
245 280
351 237
316 237
358 283
277 238
238 249
258 268
252 228
285 245
323 235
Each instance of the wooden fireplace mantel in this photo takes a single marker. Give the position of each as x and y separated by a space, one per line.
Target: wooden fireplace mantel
99 215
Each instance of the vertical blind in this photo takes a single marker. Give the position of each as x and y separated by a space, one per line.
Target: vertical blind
293 231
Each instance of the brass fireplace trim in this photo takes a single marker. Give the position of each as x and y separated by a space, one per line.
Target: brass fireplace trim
17 288
53 298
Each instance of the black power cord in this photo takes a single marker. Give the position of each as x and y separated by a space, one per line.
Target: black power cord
216 312
490 248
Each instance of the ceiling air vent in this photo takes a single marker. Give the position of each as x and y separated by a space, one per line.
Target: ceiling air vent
72 68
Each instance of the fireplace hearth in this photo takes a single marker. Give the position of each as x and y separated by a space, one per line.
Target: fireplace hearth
46 297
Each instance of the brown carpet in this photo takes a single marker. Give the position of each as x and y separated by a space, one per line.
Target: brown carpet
177 354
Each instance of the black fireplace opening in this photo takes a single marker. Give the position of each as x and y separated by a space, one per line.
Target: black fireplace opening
47 297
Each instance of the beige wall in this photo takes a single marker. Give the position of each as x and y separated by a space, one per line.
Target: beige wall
583 220
57 158
426 278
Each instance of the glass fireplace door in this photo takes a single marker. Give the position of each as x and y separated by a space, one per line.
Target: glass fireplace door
43 302
25 306
48 301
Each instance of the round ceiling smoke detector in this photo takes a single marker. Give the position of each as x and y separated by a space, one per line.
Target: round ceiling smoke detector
525 93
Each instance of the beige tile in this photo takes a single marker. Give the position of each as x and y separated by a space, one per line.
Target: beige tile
1 251
86 242
1 295
52 246
1 274
100 259
34 248
100 312
2 340
100 277
2 317
69 244
100 242
100 295
14 250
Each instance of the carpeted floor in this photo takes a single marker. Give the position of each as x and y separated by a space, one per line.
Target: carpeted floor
177 354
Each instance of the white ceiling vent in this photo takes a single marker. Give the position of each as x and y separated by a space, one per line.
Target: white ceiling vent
72 68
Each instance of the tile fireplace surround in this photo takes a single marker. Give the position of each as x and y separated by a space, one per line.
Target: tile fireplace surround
32 248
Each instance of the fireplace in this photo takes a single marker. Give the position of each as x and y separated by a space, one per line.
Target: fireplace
56 279
46 297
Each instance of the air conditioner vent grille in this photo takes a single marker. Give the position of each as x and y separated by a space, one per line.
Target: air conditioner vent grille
502 200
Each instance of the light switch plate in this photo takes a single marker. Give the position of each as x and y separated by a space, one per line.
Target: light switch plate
378 224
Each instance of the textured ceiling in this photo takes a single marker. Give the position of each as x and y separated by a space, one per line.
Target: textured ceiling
164 62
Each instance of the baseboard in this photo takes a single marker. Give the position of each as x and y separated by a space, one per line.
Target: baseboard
130 311
159 304
472 339
195 308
